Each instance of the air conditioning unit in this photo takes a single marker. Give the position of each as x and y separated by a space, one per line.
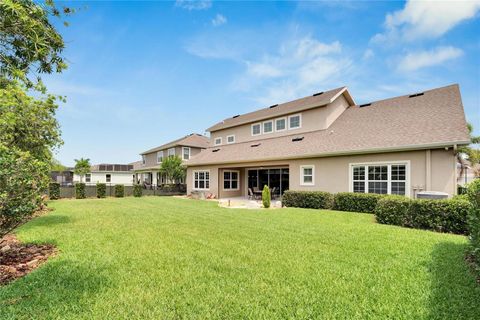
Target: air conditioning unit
435 195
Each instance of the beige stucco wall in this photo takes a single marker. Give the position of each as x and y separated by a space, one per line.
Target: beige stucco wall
332 173
313 119
151 158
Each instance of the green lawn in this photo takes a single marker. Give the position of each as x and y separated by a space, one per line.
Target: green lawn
168 258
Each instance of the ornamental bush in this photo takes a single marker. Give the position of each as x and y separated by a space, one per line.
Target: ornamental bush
54 190
308 199
137 190
101 190
473 193
119 190
80 190
266 197
448 215
356 202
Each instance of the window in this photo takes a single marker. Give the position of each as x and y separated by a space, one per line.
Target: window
171 152
280 124
143 159
231 139
108 177
230 180
88 177
186 153
294 122
159 156
380 178
201 180
256 129
307 175
268 127
218 141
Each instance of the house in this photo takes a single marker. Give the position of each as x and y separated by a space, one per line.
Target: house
467 172
64 178
147 172
326 142
109 174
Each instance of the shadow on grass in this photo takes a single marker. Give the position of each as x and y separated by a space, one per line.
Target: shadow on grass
455 293
58 289
47 221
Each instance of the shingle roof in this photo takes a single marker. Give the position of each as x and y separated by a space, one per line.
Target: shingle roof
435 118
192 140
298 105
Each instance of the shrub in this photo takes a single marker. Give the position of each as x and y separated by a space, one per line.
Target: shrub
266 197
80 190
392 210
356 202
473 193
137 190
101 190
119 190
54 190
308 199
437 215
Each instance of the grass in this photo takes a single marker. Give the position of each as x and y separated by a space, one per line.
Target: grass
168 258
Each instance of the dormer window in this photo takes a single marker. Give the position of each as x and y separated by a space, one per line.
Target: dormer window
256 129
218 141
268 127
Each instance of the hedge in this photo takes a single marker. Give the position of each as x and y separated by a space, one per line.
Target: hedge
101 190
137 190
80 190
119 190
473 193
54 190
356 202
308 199
437 215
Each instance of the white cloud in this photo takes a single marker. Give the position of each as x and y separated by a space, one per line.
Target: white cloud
368 54
219 20
193 4
426 19
428 58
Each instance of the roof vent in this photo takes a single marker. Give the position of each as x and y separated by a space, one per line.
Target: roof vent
255 145
365 105
416 95
297 139
215 150
273 106
236 116
317 94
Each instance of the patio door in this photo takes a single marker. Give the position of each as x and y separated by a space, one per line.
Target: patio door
277 178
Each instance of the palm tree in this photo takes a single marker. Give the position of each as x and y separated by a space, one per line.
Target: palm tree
467 152
82 167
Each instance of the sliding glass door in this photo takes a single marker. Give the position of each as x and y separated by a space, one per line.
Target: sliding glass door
277 178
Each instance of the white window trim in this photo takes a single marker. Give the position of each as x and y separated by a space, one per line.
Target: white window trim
263 128
300 121
189 153
218 138
238 180
230 136
144 159
106 180
384 163
158 153
90 176
193 180
255 124
168 152
302 181
286 124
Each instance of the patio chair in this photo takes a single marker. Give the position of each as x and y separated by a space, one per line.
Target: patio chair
272 193
251 195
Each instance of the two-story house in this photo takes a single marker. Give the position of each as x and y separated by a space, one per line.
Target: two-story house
326 142
147 171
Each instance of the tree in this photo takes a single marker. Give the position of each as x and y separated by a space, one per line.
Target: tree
29 43
173 169
56 165
82 167
471 154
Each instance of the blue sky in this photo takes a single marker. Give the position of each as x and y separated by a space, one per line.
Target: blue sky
144 73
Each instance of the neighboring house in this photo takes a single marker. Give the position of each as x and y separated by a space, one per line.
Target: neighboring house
109 174
470 172
326 142
147 172
65 178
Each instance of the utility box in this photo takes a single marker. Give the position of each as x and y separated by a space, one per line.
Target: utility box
432 195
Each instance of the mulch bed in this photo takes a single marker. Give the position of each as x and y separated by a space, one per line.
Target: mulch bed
18 259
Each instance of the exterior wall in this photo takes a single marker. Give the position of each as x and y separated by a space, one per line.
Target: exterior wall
332 174
151 158
125 178
314 119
